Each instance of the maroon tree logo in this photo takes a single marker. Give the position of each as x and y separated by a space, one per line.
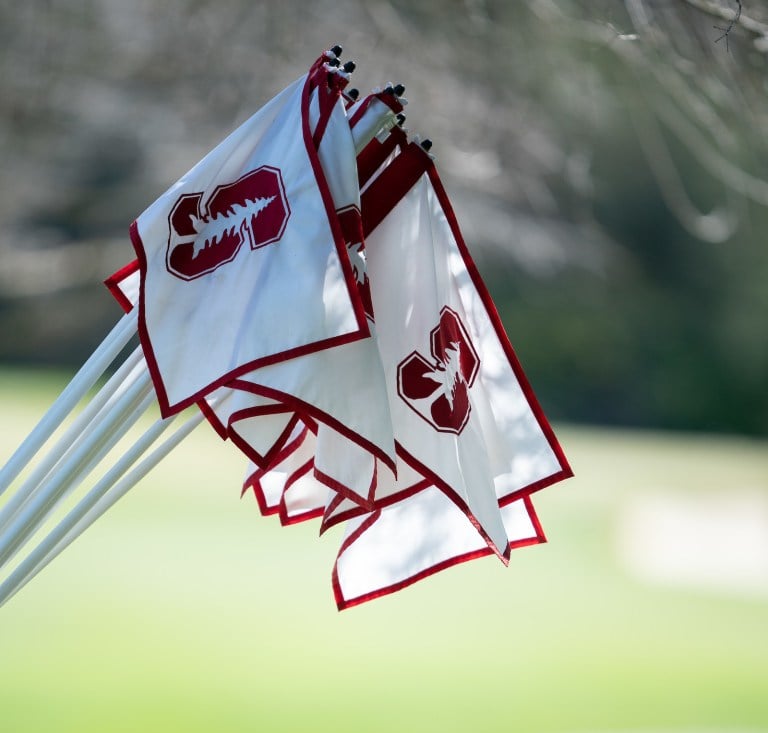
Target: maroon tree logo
202 238
352 228
438 390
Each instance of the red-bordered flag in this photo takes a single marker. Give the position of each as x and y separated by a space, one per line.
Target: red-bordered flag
243 261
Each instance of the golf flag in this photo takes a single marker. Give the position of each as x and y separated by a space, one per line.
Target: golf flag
269 400
243 261
307 286
400 544
472 442
464 415
330 386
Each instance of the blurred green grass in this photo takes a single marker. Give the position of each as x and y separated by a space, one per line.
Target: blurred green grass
184 610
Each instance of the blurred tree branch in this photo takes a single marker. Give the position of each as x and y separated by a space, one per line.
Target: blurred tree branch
716 10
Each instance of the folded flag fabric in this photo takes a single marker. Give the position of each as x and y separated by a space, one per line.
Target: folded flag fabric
243 262
353 445
397 545
307 286
465 417
472 440
309 384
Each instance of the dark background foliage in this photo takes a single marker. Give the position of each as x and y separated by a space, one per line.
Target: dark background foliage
607 160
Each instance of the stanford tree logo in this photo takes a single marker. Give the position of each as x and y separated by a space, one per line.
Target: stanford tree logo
202 238
352 228
438 390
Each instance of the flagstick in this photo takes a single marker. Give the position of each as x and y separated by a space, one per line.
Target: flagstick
85 378
104 495
139 375
99 499
134 402
105 443
83 424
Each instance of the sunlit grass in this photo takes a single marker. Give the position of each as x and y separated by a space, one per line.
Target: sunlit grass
184 610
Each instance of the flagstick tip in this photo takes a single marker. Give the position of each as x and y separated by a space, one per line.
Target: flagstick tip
396 89
336 50
349 67
353 94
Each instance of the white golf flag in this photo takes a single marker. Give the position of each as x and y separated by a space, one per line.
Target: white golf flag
328 386
464 415
397 545
306 285
471 440
288 487
342 389
243 262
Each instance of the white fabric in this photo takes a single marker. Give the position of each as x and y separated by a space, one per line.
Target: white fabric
376 117
387 486
336 155
409 301
129 286
412 539
343 386
434 341
269 486
303 498
261 435
500 448
291 294
418 527
504 444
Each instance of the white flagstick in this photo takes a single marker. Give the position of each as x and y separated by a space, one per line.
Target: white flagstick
83 424
85 378
105 444
101 497
126 411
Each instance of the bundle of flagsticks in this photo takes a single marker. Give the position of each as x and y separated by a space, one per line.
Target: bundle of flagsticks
306 290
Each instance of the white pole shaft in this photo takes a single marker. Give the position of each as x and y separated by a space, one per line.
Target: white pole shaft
126 411
85 378
76 431
105 444
102 497
113 431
